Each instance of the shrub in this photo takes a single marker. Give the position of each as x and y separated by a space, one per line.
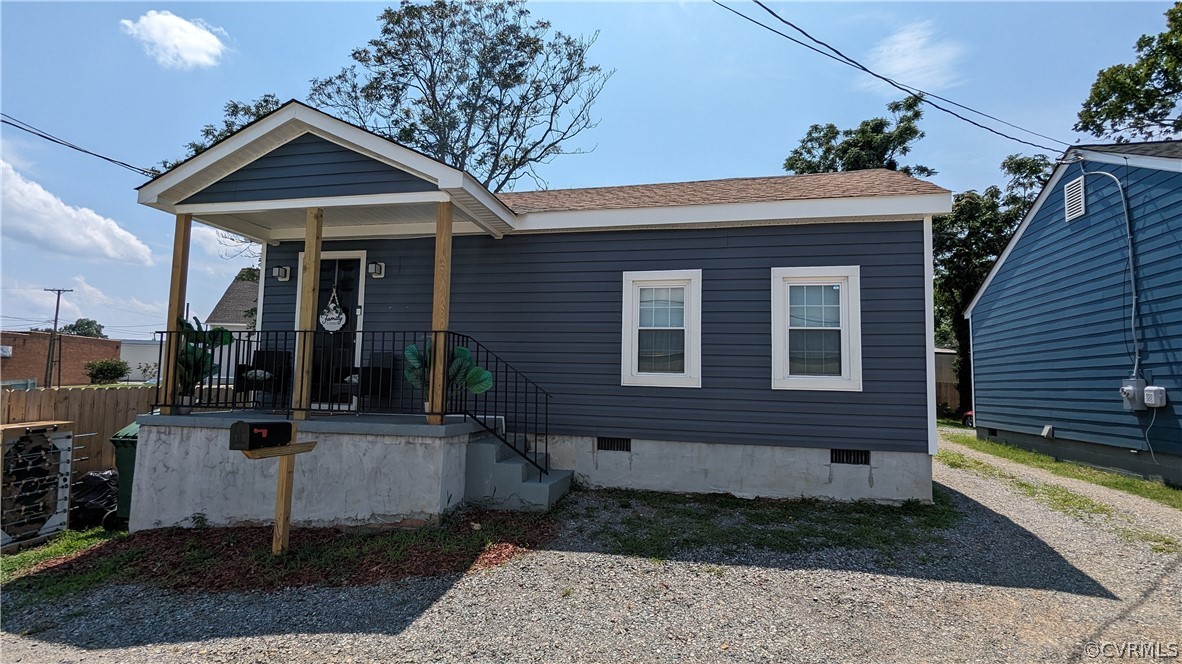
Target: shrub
106 371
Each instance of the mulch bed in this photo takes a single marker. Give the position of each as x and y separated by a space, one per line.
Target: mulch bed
237 559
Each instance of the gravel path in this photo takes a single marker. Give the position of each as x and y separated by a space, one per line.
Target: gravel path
1014 581
1137 511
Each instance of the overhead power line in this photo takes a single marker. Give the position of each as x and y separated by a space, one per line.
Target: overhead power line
24 126
925 96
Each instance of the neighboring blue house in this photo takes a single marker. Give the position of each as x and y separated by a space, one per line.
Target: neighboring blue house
758 336
1056 329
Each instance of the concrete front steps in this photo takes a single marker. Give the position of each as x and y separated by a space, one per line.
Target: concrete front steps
497 478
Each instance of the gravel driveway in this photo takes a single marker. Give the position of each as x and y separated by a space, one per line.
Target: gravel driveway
1014 580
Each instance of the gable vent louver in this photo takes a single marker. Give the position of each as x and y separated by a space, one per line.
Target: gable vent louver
1073 198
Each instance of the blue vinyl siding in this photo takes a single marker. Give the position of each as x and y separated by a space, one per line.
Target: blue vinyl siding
1051 333
309 167
550 305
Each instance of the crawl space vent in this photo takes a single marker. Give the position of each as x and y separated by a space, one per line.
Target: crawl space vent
851 457
613 444
1073 198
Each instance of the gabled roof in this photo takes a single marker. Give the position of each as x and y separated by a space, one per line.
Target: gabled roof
295 119
241 164
852 184
241 295
1136 155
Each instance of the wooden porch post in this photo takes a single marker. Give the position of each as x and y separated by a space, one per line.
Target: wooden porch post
440 309
306 318
176 306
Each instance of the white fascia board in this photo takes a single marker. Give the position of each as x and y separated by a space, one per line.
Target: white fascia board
326 202
376 231
485 197
914 206
1038 203
929 325
149 193
1133 160
320 124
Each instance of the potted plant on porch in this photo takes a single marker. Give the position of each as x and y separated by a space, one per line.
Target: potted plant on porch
463 373
194 359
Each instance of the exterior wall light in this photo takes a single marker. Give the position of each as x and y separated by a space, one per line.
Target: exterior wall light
281 272
376 270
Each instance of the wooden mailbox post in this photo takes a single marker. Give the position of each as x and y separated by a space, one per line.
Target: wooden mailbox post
265 440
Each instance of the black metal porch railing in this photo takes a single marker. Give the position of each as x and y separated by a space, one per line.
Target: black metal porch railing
515 409
358 373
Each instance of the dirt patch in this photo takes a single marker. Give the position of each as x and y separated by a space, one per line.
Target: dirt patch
236 559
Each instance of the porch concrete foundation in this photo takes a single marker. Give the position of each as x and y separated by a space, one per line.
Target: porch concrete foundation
747 471
361 473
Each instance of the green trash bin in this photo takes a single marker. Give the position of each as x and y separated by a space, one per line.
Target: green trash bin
125 441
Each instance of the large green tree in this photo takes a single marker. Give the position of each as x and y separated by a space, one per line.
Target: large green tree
966 244
481 86
875 143
1144 99
83 327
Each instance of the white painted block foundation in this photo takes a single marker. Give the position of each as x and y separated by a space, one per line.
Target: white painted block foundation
349 479
746 471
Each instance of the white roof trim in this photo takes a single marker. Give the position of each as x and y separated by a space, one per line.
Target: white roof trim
327 202
1135 161
217 163
1042 197
819 209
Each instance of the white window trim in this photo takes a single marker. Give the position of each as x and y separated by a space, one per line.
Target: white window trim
633 281
851 339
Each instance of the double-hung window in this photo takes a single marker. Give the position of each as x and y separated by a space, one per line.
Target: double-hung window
662 329
816 328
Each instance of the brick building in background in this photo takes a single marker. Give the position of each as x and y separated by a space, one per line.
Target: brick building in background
26 360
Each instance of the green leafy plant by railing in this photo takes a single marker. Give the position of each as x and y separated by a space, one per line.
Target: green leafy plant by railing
194 357
462 374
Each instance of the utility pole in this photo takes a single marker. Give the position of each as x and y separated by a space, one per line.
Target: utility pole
53 337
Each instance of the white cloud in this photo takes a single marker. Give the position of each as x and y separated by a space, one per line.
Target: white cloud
175 42
93 299
207 239
33 215
913 56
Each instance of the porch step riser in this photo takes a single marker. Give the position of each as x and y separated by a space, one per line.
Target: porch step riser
499 479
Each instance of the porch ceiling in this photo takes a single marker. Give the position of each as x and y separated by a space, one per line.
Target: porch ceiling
340 222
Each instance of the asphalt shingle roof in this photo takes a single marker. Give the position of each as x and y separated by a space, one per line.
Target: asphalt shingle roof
1167 149
240 296
877 182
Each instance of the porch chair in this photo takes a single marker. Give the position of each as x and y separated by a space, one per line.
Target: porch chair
267 379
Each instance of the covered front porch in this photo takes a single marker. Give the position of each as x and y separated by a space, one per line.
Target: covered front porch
416 403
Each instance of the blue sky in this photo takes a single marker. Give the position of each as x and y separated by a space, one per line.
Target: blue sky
697 94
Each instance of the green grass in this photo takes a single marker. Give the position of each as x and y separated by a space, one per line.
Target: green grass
68 543
658 526
1155 491
952 422
1157 542
1052 495
240 559
1061 499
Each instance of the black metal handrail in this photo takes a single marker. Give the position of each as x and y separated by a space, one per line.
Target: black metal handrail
356 373
352 372
516 410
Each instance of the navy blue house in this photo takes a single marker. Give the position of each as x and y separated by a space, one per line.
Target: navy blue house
1077 331
759 336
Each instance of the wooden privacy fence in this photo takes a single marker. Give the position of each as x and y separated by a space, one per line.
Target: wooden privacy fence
96 413
948 393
